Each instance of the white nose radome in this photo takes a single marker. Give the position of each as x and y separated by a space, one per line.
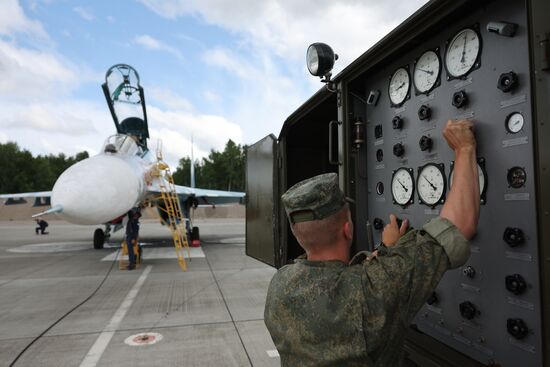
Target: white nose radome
97 190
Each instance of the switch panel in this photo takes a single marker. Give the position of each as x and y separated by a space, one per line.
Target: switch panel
488 309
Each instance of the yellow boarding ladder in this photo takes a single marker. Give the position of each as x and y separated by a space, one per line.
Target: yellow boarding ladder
176 220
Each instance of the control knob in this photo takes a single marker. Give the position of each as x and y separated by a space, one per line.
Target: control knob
425 143
507 81
378 224
469 271
397 123
517 328
424 112
515 284
398 150
378 131
513 236
460 99
468 310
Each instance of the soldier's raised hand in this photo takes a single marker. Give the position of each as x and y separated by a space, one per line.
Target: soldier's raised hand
459 134
392 231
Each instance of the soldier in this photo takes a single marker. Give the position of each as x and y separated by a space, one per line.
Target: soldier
329 311
132 234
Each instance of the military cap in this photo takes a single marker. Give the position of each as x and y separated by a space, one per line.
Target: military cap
313 199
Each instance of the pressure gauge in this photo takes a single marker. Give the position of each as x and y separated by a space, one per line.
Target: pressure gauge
398 89
462 53
431 184
482 179
514 122
426 72
402 186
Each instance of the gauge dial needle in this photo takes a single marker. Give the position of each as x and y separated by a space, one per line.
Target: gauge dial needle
426 71
401 86
431 184
404 187
463 58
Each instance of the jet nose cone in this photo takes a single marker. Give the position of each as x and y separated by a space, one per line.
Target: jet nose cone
97 190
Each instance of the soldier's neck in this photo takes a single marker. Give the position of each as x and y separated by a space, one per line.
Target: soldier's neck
333 253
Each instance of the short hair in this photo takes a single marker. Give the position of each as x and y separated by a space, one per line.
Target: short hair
322 232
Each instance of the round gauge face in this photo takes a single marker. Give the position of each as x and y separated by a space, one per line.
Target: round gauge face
402 186
481 178
431 184
517 177
426 72
462 53
399 86
514 122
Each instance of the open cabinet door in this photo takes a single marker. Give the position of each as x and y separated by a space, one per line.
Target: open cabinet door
262 204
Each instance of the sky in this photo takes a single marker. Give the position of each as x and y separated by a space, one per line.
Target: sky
212 70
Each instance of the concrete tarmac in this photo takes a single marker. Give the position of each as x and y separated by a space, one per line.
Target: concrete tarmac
157 315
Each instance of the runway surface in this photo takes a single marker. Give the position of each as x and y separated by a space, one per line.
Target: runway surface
157 315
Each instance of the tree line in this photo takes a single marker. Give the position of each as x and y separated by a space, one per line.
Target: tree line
23 172
219 171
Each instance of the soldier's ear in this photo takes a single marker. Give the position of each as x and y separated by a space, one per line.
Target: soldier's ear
348 230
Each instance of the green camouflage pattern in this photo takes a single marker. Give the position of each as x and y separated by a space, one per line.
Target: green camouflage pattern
313 199
327 313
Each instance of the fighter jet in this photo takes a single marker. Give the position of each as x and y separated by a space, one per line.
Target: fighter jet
125 174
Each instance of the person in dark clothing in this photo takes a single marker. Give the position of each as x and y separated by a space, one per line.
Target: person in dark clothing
132 233
190 202
42 224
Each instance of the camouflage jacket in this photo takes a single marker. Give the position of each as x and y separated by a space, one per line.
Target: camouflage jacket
328 313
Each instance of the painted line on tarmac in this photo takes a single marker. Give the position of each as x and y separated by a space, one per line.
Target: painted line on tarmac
97 350
158 253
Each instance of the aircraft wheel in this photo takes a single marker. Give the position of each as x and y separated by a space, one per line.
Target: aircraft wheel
99 239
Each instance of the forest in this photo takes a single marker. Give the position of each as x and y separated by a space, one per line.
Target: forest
23 172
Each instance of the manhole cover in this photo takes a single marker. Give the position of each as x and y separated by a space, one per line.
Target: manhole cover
143 339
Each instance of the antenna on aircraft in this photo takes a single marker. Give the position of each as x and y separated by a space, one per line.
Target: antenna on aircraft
126 100
192 169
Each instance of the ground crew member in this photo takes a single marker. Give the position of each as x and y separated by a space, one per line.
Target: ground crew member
329 311
42 224
132 234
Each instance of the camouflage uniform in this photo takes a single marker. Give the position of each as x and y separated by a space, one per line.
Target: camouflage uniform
328 313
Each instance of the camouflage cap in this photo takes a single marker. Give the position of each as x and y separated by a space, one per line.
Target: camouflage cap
313 199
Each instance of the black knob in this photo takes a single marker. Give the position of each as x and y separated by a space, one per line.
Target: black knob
515 284
425 143
378 131
424 112
507 81
378 224
460 99
468 310
398 150
517 328
397 123
432 299
513 236
469 272
379 155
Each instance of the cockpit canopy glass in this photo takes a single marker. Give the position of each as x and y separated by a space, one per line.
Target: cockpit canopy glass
121 144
